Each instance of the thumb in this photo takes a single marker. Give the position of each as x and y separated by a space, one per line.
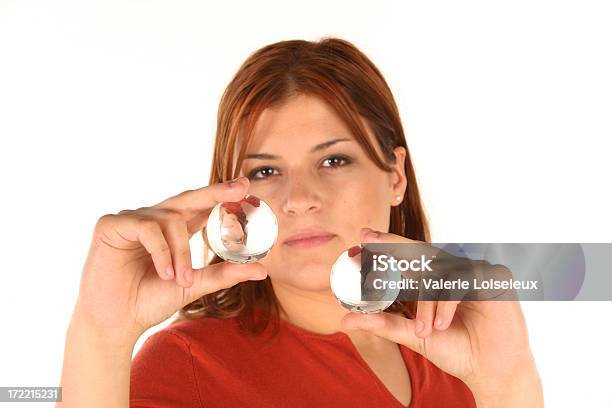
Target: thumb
390 326
222 275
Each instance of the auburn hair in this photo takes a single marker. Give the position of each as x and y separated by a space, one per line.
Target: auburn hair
336 71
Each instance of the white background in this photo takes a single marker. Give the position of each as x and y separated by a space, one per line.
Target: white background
106 105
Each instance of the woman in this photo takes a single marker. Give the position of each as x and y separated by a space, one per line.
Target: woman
312 129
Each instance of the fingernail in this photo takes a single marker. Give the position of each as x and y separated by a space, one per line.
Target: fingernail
438 322
354 250
170 271
419 326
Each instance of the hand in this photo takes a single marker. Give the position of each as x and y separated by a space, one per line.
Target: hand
480 342
138 271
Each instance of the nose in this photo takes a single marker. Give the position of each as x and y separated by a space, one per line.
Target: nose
301 198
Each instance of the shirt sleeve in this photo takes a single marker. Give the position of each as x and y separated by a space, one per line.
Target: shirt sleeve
162 374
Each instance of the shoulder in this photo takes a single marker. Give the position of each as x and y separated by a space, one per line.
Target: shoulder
171 362
204 328
192 336
220 336
201 342
162 372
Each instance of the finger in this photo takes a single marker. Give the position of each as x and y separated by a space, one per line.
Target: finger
177 237
204 198
222 275
152 239
485 270
445 311
390 326
426 309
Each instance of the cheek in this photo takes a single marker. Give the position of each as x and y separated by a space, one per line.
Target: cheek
363 202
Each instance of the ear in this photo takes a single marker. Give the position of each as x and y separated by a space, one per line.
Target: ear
398 181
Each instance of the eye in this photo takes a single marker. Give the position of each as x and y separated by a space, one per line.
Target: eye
265 171
337 161
333 162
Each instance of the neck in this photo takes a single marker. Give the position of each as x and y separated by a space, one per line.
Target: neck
317 312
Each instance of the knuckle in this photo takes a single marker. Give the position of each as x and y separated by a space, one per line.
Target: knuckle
162 249
168 214
507 271
104 220
430 307
181 255
183 194
141 212
147 224
498 270
501 271
184 253
106 217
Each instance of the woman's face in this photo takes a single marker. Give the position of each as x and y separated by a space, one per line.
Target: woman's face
315 176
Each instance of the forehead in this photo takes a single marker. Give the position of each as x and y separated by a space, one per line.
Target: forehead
296 126
301 121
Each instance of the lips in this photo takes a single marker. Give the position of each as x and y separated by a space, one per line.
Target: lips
309 238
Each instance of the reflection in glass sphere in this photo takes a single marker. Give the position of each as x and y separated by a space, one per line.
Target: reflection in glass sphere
242 231
350 284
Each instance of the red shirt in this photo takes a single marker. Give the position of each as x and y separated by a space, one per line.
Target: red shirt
209 362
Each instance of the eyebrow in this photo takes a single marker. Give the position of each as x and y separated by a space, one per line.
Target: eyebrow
319 147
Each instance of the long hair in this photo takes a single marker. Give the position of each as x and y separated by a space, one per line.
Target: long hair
336 71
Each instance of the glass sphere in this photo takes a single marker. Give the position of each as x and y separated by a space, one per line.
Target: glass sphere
242 231
351 285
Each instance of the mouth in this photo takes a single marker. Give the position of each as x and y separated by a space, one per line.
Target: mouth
309 239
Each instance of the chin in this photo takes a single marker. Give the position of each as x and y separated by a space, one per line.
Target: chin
312 276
